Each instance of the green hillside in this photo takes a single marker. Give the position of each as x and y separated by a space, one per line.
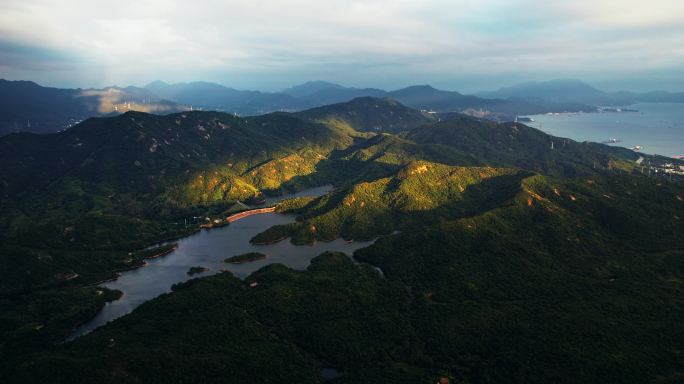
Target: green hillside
417 195
513 144
500 257
550 286
369 114
101 191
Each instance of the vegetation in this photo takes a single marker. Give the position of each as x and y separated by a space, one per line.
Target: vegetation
98 193
246 258
369 114
196 270
294 205
420 193
276 234
513 144
502 259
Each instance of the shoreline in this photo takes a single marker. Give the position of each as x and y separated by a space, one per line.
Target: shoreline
656 128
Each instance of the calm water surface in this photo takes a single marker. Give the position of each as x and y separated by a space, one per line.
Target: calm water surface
209 248
657 127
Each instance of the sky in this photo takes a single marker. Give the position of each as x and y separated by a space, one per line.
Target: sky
464 45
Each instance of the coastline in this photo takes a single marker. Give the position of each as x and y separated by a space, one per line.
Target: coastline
657 128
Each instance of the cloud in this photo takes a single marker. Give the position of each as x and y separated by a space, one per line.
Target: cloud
273 43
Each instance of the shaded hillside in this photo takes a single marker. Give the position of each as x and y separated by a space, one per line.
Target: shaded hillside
548 287
428 98
374 158
513 144
143 152
418 194
111 186
500 258
369 114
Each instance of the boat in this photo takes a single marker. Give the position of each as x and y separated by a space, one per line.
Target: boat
611 140
637 148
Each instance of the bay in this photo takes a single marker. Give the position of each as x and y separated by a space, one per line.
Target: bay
657 127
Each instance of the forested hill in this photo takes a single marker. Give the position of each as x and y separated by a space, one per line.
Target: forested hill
507 255
370 114
513 144
145 152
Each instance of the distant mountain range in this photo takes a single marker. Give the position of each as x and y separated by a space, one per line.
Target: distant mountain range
211 96
570 90
501 253
27 106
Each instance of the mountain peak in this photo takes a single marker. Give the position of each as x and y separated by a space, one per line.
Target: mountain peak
369 114
424 87
310 87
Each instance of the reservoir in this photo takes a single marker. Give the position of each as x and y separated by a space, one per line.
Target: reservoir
209 249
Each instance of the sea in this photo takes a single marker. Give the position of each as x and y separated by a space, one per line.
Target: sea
657 127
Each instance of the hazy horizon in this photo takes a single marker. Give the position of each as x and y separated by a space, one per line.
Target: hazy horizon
459 45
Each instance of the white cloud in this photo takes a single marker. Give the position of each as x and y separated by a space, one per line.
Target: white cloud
137 41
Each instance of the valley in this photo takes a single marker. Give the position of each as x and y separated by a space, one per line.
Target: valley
342 192
481 251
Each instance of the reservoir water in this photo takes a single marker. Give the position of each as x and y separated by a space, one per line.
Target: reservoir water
657 127
209 249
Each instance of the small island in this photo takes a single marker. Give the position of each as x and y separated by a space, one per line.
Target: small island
245 258
196 270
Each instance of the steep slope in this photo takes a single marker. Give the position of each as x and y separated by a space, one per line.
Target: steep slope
369 114
418 194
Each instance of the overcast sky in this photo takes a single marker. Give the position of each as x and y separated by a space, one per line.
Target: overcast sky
464 45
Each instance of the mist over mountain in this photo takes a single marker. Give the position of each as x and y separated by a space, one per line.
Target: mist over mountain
211 96
27 106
